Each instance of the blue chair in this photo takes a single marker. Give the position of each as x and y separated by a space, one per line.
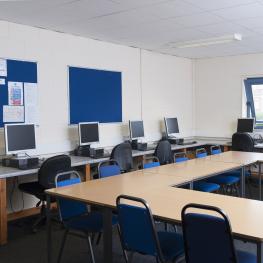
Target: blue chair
75 216
154 162
108 168
201 186
139 234
228 181
208 238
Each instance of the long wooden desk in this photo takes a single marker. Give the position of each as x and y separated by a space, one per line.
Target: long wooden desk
154 185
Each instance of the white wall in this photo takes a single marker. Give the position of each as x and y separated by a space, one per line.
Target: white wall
218 92
154 85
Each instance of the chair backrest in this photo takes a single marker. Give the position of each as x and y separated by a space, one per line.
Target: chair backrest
69 208
242 142
154 162
180 157
200 153
108 168
51 167
215 149
122 154
137 227
207 238
163 152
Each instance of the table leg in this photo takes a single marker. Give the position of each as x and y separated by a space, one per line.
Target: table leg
259 252
49 238
243 182
259 178
3 212
107 235
87 172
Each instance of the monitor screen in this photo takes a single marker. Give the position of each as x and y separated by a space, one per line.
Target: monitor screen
171 125
136 129
88 132
19 137
245 125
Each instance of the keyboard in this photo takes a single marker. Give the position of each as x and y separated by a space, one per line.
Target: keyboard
187 143
106 155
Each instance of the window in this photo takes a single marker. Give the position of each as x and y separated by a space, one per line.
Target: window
254 100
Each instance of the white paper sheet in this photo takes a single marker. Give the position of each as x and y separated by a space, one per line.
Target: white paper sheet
31 103
3 68
13 113
15 94
2 81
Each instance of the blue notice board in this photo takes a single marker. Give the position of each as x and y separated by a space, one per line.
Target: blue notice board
94 95
17 71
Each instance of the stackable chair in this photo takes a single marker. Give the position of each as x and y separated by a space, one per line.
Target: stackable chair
200 185
75 217
163 152
138 232
208 238
228 181
108 168
46 180
122 154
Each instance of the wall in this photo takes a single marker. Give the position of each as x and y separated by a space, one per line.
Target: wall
219 91
154 85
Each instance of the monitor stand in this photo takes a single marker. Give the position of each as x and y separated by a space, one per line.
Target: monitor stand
172 139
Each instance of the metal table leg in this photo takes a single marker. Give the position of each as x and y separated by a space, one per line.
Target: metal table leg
243 182
49 239
259 252
107 235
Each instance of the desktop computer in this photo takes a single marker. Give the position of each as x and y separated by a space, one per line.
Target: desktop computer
171 128
20 138
245 125
137 132
88 134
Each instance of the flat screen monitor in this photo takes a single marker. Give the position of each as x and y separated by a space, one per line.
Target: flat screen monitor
171 126
88 133
245 125
136 129
19 138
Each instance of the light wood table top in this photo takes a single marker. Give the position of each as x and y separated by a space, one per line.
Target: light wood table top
194 169
244 158
246 216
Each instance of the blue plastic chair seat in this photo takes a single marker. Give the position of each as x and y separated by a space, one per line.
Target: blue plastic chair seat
245 257
206 187
151 165
171 244
224 180
237 173
91 222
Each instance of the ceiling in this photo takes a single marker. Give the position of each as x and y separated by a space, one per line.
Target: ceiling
149 24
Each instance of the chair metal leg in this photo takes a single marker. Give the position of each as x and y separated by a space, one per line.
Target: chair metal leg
99 238
62 245
123 250
91 250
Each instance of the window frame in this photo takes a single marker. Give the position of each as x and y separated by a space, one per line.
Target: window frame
250 106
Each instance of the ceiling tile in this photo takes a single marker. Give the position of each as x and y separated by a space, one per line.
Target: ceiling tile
197 20
218 4
241 12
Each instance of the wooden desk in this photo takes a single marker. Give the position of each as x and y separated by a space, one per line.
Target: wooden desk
246 216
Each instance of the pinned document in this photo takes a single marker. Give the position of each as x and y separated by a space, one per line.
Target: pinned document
31 102
2 81
15 94
3 68
13 113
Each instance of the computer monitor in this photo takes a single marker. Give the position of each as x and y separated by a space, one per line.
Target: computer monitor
245 125
88 133
136 129
171 126
19 138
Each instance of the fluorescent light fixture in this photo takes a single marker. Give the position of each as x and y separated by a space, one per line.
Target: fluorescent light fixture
208 41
